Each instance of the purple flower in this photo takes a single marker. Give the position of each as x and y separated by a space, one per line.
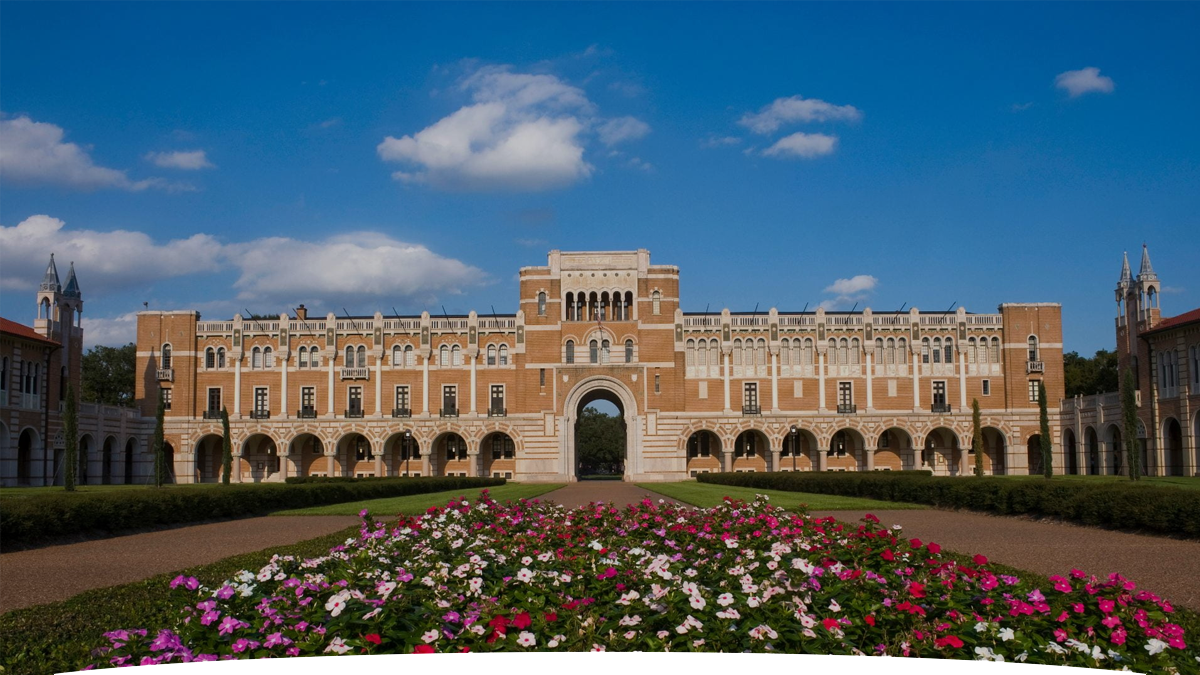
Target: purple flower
275 639
225 592
209 617
228 625
165 640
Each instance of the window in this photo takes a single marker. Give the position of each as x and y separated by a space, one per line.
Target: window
657 382
314 357
541 300
504 355
456 447
885 441
995 350
845 394
604 351
987 387
214 399
410 358
450 399
569 355
497 403
656 302
1035 386
166 356
502 447
308 400
1033 347
541 377
949 350
397 356
210 358
937 350
444 355
256 358
165 394
838 446
593 352
262 401
354 401
699 445
924 350
456 355
402 398
750 396
4 377
629 351
939 393
362 356
268 358
1195 368
302 360
362 449
491 355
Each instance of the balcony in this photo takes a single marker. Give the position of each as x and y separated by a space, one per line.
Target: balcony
260 414
497 412
751 410
448 412
401 412
165 374
307 413
212 414
1035 367
942 408
356 373
354 413
847 408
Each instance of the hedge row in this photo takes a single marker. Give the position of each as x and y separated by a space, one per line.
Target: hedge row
38 518
1123 506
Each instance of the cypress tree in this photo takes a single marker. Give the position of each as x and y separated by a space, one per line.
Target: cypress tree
1129 424
226 447
160 464
1044 433
977 437
71 437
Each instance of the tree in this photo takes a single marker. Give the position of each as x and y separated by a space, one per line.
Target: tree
1087 376
977 437
160 463
108 375
226 447
600 442
71 438
1130 423
1044 432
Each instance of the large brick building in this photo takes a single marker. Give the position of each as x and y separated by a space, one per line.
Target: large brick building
1164 355
501 394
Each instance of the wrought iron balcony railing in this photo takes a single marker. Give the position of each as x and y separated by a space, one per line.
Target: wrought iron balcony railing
940 408
448 412
751 410
352 413
212 414
847 408
260 414
356 373
1035 367
401 412
307 413
165 374
497 412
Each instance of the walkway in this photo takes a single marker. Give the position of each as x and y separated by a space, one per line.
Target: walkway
55 573
1163 566
582 492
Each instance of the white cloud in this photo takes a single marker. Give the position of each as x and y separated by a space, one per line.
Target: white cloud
802 145
783 111
331 122
114 332
622 129
104 261
34 153
531 243
719 141
181 159
856 284
1080 82
1021 107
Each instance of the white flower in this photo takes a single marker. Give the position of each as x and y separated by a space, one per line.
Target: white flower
525 575
526 639
386 588
430 635
986 654
753 601
338 646
731 543
980 627
630 620
834 606
630 634
526 560
597 648
596 546
725 599
1007 634
475 584
1155 646
697 602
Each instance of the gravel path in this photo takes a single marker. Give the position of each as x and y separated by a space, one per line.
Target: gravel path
54 573
582 492
1168 567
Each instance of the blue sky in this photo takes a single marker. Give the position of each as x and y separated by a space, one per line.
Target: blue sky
235 156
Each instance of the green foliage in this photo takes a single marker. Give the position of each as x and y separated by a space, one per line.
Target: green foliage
160 460
226 447
1117 505
71 438
1129 423
1086 376
600 442
977 436
33 520
108 375
1044 433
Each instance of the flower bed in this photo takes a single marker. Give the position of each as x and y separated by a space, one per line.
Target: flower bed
739 577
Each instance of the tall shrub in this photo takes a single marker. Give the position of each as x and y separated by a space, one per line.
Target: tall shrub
977 436
1129 423
71 437
1044 432
226 447
160 464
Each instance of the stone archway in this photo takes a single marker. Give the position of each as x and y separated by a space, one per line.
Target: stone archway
209 454
601 387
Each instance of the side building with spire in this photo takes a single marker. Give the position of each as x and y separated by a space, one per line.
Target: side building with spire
1164 357
36 364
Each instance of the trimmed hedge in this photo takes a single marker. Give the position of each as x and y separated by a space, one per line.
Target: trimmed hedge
1122 506
35 519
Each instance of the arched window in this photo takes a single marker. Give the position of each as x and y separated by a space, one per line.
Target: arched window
410 358
314 357
220 357
397 356
949 350
210 358
593 352
983 353
691 353
349 357
844 352
444 355
737 352
1033 348
924 350
760 357
880 354
832 352
569 352
902 351
629 351
995 350
504 355
656 302
362 356
785 353
854 351
491 355
456 354
256 358
604 348
629 305
541 304
302 357
569 306
937 350
807 357
166 356
971 350
268 358
891 351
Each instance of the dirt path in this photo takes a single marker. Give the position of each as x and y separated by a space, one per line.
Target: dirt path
1164 566
620 493
54 573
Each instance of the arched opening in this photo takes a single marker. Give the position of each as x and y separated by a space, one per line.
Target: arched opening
1033 454
894 451
1173 447
402 455
1070 451
1113 461
307 453
750 451
25 445
942 454
355 456
498 452
106 459
130 446
168 464
86 443
994 451
600 436
799 451
451 456
703 453
845 451
1095 465
208 459
260 460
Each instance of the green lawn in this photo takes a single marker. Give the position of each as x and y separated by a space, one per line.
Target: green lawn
22 492
1185 482
706 495
415 504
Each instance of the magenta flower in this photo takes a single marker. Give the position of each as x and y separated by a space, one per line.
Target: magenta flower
228 625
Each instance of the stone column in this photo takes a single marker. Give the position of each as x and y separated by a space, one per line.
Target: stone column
962 378
822 458
283 389
379 464
774 382
237 467
237 387
916 375
425 386
870 387
329 468
330 395
473 461
869 456
821 380
379 385
727 460
776 454
474 363
725 366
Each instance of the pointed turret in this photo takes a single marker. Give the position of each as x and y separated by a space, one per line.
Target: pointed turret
1146 272
72 289
50 282
1126 276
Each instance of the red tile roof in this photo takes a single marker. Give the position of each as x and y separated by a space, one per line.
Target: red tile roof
22 331
1175 321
